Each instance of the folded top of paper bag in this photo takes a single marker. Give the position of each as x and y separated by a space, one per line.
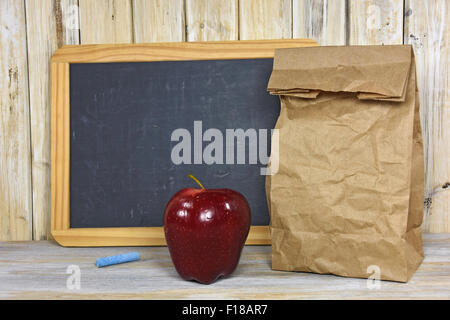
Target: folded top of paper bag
373 72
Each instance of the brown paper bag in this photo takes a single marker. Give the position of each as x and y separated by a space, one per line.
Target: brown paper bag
348 195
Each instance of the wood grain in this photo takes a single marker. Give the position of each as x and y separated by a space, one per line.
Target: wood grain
60 123
158 20
212 20
427 29
15 154
67 16
375 22
50 24
60 147
321 20
265 19
106 21
175 51
37 270
147 236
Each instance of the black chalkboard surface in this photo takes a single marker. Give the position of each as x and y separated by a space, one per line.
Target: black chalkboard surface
122 116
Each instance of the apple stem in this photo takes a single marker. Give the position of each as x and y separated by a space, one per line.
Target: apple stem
196 180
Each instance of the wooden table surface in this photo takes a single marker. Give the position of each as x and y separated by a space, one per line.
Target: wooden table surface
38 270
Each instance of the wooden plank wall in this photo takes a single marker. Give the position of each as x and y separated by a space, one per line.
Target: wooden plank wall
15 157
31 30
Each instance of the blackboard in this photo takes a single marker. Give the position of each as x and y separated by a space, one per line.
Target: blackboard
122 116
116 110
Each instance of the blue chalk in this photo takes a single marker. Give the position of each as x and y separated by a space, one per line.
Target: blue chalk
120 258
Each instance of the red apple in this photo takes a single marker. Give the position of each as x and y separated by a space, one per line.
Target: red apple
205 232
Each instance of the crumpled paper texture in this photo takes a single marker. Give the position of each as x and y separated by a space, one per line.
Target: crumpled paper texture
349 191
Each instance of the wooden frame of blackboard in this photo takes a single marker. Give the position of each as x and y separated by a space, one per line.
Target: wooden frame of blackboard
60 127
